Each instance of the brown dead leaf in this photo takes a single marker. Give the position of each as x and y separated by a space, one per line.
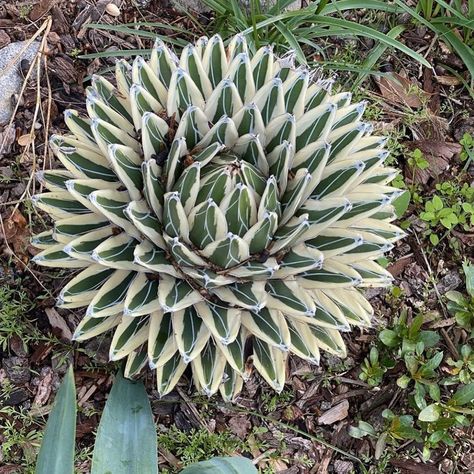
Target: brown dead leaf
40 9
16 233
400 90
336 413
240 425
25 140
438 154
57 322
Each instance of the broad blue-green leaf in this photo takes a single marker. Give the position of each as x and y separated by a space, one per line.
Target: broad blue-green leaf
56 455
126 437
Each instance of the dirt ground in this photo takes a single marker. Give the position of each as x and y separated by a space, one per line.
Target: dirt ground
297 430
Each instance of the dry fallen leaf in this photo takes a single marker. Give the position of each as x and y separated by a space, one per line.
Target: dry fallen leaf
400 90
438 154
57 322
24 140
16 233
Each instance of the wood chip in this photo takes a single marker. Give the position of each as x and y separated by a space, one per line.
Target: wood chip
448 80
44 387
336 413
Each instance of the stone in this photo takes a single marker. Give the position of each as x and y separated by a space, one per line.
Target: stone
17 369
16 397
11 79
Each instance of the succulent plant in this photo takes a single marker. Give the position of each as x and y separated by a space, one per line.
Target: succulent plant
221 207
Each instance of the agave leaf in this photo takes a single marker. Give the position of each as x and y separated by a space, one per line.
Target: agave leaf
127 166
269 325
192 126
176 295
222 465
136 360
126 435
249 295
90 327
215 60
174 217
224 100
270 363
109 300
80 161
161 342
191 61
82 188
154 189
295 92
112 204
130 334
154 258
85 284
288 297
270 100
70 228
224 323
162 62
303 342
59 205
231 385
240 73
54 180
188 185
56 454
142 296
208 368
144 220
143 75
117 252
154 130
262 66
314 125
83 246
98 109
169 373
55 256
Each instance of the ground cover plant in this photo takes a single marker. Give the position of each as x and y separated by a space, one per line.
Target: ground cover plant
401 401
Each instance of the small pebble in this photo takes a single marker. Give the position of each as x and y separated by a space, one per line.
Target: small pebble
112 9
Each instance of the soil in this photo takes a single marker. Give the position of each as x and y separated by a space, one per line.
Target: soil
318 403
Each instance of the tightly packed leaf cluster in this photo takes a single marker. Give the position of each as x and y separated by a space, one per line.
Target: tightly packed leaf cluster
221 205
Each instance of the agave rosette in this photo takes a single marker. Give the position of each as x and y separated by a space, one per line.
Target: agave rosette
218 206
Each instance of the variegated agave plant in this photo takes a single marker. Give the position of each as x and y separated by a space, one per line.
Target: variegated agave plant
221 205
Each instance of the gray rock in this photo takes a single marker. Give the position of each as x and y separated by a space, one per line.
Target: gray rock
10 76
17 369
16 397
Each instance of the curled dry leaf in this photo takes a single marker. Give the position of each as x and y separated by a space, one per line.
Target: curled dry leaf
16 233
400 90
25 140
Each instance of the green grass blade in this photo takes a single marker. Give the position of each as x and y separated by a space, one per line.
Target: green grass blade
375 54
124 53
56 455
292 41
343 5
126 437
228 465
462 50
362 30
